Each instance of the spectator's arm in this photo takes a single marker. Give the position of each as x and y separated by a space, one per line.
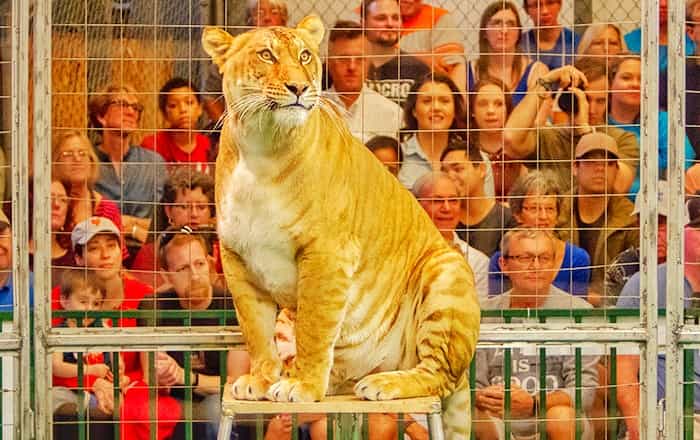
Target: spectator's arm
628 147
137 227
237 364
628 392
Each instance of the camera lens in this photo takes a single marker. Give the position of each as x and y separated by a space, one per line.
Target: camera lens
567 102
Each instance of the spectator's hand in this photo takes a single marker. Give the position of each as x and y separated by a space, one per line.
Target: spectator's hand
581 119
99 370
280 427
566 76
104 393
168 372
521 402
490 399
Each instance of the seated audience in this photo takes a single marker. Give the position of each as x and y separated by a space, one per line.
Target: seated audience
633 38
602 40
536 203
61 252
528 260
392 71
185 262
624 111
500 57
601 222
367 112
130 175
692 180
6 284
180 104
437 194
96 245
432 34
490 106
482 219
388 151
628 393
548 42
188 200
76 165
82 291
626 263
434 116
553 147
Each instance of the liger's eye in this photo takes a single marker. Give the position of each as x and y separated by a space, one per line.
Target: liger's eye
305 56
266 55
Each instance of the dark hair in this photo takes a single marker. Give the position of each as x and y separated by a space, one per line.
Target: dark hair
181 179
473 95
378 142
593 67
175 83
614 68
179 236
410 121
98 103
73 280
471 151
484 47
345 30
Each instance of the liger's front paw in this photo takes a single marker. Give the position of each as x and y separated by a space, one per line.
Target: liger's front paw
249 387
381 386
294 390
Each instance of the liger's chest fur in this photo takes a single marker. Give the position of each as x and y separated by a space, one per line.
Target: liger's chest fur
253 221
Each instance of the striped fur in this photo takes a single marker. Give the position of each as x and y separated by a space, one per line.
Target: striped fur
310 220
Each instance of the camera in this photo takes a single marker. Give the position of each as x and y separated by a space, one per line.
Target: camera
567 101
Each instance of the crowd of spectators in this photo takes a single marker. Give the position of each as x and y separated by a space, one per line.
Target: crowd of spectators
525 155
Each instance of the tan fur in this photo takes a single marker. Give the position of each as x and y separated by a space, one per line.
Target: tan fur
311 221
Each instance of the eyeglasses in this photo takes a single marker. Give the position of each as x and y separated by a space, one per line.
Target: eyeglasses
75 154
502 24
135 106
530 259
549 210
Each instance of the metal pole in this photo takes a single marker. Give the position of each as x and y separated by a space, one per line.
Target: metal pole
42 180
674 259
648 216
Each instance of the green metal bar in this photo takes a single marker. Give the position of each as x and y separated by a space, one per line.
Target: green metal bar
81 392
188 394
688 393
152 393
401 428
579 395
365 426
330 423
472 391
542 412
259 426
506 385
295 427
116 415
612 394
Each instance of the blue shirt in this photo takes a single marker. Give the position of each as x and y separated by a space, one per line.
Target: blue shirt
633 40
663 146
6 302
573 276
140 185
629 299
561 54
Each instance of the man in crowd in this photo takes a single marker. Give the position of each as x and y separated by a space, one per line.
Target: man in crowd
549 41
628 364
388 150
6 285
368 113
392 72
130 175
187 267
601 222
552 147
437 194
527 258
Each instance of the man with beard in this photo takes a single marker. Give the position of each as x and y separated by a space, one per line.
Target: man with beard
392 72
186 264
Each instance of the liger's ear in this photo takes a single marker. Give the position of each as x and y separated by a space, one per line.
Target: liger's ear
313 25
217 43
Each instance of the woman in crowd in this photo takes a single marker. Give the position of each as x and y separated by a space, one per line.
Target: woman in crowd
61 252
536 202
489 109
624 110
434 114
76 165
500 57
602 39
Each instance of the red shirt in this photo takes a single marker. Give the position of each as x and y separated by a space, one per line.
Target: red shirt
163 143
424 19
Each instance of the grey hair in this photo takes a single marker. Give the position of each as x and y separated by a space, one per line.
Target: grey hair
427 179
596 29
519 234
535 182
